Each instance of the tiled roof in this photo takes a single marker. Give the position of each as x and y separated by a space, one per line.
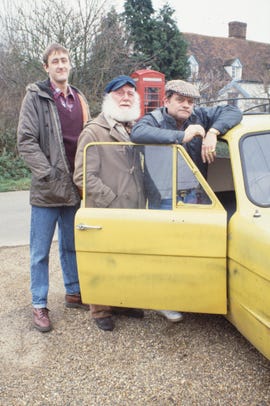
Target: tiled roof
216 51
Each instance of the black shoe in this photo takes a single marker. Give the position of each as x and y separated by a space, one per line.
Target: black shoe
128 312
105 323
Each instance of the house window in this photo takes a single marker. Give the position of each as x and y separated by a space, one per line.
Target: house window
236 70
194 67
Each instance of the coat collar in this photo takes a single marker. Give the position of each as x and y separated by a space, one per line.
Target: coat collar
117 130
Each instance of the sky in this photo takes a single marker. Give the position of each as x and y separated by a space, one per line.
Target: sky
211 17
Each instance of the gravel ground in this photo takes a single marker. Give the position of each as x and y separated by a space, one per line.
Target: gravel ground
202 361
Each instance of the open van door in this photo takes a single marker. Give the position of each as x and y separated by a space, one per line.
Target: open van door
150 258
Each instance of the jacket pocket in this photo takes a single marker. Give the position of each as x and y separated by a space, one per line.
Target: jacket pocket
53 190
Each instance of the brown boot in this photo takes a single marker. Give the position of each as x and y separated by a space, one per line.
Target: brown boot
75 301
41 319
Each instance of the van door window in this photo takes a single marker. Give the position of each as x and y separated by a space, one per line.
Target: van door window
255 154
189 189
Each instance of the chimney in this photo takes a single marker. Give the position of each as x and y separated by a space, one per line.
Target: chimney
237 30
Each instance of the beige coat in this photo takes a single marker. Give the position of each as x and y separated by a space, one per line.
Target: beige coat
114 173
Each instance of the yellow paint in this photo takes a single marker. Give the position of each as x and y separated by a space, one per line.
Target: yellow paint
185 259
153 282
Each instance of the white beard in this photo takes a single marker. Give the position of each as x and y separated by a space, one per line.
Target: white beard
123 115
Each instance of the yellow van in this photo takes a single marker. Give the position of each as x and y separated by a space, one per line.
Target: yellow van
209 253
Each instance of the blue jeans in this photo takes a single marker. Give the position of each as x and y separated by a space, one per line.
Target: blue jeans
165 204
191 197
43 225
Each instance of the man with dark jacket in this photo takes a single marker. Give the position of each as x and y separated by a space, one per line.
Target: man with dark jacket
51 118
179 122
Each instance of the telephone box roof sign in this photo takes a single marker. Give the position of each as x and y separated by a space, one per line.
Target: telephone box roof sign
148 74
151 87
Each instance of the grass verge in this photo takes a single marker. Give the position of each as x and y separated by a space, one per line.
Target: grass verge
10 185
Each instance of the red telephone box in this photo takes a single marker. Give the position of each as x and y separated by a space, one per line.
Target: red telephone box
151 88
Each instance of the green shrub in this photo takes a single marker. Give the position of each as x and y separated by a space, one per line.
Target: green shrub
12 167
14 175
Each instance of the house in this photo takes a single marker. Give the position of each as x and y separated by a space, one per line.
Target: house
232 67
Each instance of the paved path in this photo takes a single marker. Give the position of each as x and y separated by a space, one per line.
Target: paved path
15 218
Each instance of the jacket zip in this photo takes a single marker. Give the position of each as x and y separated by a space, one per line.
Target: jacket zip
59 137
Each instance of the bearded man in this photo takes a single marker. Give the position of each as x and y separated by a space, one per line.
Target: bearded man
114 174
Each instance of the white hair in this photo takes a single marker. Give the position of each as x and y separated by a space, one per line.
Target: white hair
111 108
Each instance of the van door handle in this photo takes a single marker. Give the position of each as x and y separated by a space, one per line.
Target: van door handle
84 227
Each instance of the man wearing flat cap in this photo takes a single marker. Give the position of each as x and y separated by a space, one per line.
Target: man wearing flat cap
179 122
115 175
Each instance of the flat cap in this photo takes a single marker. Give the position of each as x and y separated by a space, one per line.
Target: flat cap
118 82
183 88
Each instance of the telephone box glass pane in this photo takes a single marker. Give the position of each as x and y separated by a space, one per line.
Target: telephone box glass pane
152 98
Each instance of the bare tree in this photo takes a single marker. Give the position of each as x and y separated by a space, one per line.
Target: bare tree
111 55
26 30
96 38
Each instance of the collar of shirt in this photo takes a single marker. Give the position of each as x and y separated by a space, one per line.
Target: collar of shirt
68 101
120 127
